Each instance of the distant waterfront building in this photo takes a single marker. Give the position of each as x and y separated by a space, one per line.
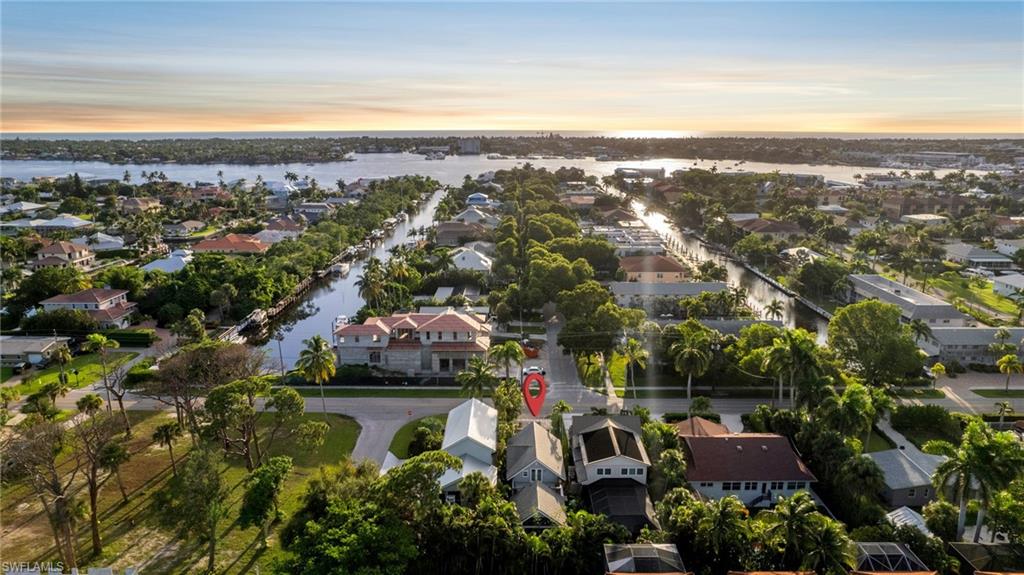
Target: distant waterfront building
975 257
967 345
652 269
469 146
640 294
926 220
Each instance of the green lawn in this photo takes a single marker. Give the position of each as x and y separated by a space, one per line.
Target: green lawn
999 393
89 371
204 232
983 296
617 369
133 533
6 373
382 392
400 442
590 373
920 393
877 442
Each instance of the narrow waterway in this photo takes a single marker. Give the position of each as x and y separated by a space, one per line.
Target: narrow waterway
759 292
335 295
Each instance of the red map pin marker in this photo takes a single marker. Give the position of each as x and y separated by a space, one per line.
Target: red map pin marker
534 402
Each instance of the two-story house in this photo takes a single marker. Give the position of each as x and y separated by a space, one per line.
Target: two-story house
109 307
471 434
611 465
231 244
652 269
64 254
534 455
757 468
415 343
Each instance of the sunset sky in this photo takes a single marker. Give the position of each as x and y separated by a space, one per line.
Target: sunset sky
764 66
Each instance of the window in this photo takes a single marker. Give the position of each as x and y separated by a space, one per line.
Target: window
776 485
706 484
627 471
660 275
927 492
791 485
607 471
428 335
537 474
911 492
526 473
341 339
374 357
439 338
376 337
801 485
731 486
600 471
355 338
750 486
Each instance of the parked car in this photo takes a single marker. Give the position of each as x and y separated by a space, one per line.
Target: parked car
533 369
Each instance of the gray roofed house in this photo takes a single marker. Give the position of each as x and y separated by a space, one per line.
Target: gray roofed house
908 476
975 257
642 558
915 304
966 345
539 506
19 350
534 455
623 501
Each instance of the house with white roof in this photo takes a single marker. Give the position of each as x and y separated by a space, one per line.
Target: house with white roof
27 208
1010 285
101 242
175 262
274 236
913 303
467 259
471 434
473 215
639 294
478 199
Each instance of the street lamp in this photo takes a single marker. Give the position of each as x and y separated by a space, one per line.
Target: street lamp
77 382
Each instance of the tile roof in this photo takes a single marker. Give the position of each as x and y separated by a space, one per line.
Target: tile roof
744 456
93 295
534 443
232 242
113 313
651 264
698 426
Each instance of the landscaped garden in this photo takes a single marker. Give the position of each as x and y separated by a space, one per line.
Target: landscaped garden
89 366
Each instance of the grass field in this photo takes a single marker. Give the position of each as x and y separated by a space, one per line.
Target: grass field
999 393
617 370
983 296
6 373
383 392
133 533
90 370
400 442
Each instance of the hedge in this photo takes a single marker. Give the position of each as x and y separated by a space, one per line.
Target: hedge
676 417
114 254
140 337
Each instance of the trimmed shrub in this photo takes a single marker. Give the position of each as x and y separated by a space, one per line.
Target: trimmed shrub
676 417
139 337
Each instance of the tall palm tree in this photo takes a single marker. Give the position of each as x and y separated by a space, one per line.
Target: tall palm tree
852 413
477 378
635 355
920 329
1008 365
62 356
164 435
790 356
790 525
691 355
774 310
99 343
443 259
1003 408
56 389
723 525
507 353
316 364
972 465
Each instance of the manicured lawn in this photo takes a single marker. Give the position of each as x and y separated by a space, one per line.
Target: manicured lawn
983 296
133 533
999 393
919 436
90 370
877 442
400 442
382 392
204 232
6 373
920 393
617 369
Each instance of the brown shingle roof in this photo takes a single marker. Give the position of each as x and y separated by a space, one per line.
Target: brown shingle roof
63 248
763 226
93 295
651 264
744 456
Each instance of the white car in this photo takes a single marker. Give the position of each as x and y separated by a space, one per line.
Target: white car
533 369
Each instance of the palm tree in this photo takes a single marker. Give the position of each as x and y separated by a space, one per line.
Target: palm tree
774 310
1003 408
968 466
691 355
791 355
56 389
164 436
852 413
723 525
89 404
791 525
476 378
113 456
938 370
1008 365
507 353
99 343
443 260
62 355
920 329
830 550
316 364
635 355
